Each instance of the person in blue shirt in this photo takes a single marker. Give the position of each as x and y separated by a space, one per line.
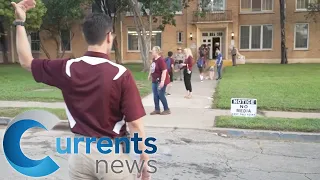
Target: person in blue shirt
219 63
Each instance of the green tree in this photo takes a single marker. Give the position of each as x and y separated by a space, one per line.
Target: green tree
115 10
34 17
61 15
33 23
146 13
314 10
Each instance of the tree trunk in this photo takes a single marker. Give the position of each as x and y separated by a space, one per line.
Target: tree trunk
116 23
44 49
284 59
56 40
117 51
3 43
5 51
150 26
5 57
142 35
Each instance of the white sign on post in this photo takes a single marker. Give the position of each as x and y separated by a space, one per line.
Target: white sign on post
232 43
244 107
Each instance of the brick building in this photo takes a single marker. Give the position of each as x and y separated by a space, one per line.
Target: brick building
253 26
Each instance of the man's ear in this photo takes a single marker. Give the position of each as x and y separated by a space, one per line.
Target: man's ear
109 38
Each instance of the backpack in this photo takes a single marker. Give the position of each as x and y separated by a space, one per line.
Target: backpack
201 52
200 63
168 62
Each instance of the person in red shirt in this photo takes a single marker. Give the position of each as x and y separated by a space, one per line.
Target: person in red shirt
101 97
187 72
160 80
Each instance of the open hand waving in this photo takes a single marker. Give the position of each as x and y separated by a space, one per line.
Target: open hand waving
22 7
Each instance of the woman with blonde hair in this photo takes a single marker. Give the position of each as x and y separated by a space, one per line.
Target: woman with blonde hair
160 80
187 71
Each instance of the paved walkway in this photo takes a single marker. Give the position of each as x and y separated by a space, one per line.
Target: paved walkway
186 113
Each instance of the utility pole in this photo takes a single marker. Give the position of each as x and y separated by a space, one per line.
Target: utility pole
284 59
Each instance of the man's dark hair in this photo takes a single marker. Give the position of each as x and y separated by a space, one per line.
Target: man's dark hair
95 28
170 54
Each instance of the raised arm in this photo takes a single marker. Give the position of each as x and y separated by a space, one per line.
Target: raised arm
22 43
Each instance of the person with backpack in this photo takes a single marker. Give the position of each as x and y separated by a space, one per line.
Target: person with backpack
219 63
170 67
201 66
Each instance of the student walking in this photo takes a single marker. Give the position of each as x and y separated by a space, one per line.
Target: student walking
170 68
219 63
160 80
201 63
187 72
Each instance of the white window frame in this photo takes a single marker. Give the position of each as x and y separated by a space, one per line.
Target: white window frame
295 31
178 34
128 50
257 12
305 9
223 9
261 38
34 51
66 51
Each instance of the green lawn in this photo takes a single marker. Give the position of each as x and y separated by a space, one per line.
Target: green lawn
293 87
262 123
12 112
18 84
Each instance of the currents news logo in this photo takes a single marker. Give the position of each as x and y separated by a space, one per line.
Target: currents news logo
46 166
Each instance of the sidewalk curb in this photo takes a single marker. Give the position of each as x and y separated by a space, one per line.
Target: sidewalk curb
223 132
4 121
269 135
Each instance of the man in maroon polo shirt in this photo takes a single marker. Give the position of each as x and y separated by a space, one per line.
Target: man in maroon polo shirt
100 96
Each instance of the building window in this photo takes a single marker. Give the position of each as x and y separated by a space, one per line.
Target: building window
302 5
156 38
245 37
35 41
256 5
256 37
65 40
179 37
133 40
301 36
214 5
